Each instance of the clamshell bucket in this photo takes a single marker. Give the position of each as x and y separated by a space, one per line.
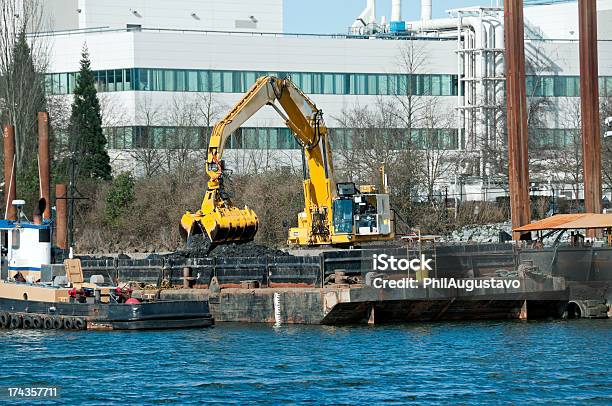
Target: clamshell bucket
220 226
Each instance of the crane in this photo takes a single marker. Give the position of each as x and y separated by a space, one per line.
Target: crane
334 214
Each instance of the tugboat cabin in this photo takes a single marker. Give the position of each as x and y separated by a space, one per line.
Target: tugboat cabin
26 250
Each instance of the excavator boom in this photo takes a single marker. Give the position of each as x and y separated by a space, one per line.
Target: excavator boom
218 221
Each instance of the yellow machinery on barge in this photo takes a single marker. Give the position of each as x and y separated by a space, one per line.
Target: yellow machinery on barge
334 213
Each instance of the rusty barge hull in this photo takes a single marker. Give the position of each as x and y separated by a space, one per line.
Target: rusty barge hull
306 295
337 305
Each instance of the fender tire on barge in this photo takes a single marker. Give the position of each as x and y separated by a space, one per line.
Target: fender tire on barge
28 322
16 321
47 323
5 320
80 324
37 322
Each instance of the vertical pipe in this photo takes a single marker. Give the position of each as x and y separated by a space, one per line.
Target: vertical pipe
372 7
460 102
518 160
43 161
396 10
10 183
426 10
589 106
61 209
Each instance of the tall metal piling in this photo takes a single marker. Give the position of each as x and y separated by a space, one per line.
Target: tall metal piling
589 106
10 178
61 213
518 159
43 161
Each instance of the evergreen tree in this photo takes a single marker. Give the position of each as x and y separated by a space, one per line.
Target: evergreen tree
87 140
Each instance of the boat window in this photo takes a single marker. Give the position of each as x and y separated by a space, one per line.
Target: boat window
44 235
16 239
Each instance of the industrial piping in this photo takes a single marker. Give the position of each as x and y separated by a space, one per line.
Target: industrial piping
426 10
396 10
367 16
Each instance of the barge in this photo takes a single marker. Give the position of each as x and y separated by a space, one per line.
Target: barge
336 287
568 279
34 294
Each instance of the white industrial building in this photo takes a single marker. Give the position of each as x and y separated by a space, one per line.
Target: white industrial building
156 61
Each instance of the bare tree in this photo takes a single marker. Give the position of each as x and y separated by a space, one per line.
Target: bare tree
434 150
375 135
149 156
60 109
210 110
565 158
606 143
23 61
408 104
184 147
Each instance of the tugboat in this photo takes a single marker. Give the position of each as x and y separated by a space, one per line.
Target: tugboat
37 295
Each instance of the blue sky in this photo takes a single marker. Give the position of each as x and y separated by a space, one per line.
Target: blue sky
335 16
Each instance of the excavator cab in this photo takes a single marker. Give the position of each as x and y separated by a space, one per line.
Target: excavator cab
361 214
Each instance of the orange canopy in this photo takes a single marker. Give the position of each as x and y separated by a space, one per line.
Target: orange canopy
570 221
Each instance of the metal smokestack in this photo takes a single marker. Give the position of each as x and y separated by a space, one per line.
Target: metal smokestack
372 8
426 10
396 10
10 183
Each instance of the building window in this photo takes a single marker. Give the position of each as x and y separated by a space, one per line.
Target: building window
181 82
127 79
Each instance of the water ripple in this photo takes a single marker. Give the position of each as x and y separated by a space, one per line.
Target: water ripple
438 363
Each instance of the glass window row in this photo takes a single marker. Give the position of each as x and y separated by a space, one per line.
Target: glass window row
563 86
554 138
138 137
179 80
396 139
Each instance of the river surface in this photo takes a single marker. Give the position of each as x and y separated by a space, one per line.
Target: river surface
567 362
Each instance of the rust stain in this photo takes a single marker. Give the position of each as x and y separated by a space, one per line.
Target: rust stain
291 285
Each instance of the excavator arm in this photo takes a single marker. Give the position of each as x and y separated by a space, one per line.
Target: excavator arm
218 221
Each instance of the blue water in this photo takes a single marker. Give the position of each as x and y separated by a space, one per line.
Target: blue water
566 362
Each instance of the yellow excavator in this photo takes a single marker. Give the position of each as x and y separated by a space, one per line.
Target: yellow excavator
334 214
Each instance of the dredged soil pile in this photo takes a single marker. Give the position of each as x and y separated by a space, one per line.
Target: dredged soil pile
249 249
